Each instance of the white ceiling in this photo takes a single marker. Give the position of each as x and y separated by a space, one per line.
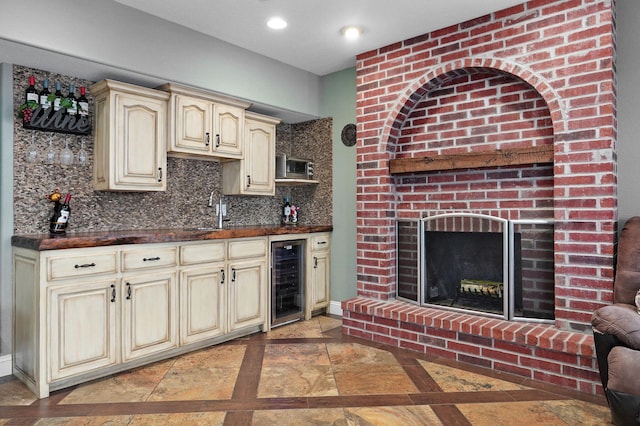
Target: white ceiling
312 41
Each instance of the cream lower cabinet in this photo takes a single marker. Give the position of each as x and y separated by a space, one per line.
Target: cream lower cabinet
202 291
80 314
82 327
319 272
247 290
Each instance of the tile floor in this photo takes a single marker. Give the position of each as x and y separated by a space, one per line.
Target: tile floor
305 373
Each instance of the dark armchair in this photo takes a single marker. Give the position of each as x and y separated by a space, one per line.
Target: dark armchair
616 330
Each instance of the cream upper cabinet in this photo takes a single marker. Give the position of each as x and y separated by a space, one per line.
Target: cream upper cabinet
130 137
204 125
255 173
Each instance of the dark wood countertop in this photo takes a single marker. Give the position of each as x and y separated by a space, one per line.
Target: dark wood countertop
141 236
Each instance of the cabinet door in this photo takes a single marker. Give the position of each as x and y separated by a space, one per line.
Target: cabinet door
140 145
247 293
193 125
149 314
228 124
260 158
202 299
81 327
320 279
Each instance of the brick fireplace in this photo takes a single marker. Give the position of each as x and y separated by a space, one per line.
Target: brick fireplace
510 115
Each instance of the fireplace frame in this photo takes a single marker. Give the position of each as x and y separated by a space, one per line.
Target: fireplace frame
406 254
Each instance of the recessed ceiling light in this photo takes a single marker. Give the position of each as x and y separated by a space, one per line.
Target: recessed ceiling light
351 32
276 23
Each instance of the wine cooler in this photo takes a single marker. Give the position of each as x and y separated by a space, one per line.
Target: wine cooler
287 282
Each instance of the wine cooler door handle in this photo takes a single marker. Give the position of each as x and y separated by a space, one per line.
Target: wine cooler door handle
217 141
128 291
222 274
159 174
113 293
207 139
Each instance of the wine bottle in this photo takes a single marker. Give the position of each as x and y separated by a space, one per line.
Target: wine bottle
31 94
83 102
45 103
286 211
73 103
60 218
58 99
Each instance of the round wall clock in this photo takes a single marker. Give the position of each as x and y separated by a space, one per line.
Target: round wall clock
349 134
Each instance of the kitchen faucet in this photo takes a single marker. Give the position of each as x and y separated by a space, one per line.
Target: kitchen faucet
221 210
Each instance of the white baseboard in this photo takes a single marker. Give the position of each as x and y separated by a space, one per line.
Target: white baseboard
335 308
5 365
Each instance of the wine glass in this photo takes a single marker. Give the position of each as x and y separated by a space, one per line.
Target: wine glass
32 153
82 153
51 155
66 155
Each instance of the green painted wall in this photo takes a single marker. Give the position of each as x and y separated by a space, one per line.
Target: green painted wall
338 100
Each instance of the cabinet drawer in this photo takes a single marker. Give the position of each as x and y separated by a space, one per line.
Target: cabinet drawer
202 253
65 266
320 242
243 249
149 257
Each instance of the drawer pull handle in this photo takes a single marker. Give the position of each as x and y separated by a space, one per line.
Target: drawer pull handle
322 242
113 293
128 291
150 259
85 265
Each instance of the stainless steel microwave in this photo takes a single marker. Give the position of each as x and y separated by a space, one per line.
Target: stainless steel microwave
293 168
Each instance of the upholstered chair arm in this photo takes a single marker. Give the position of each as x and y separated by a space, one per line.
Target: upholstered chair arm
621 320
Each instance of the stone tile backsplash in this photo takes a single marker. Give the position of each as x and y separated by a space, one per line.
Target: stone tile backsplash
189 183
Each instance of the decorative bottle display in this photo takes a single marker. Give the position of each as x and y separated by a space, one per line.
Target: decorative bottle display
289 213
61 212
45 103
72 108
58 99
83 102
31 94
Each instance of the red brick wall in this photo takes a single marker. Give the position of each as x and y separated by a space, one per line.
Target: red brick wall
538 73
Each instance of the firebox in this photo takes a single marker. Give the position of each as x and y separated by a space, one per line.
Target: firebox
480 263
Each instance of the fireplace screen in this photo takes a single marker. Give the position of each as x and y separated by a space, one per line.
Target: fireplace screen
479 263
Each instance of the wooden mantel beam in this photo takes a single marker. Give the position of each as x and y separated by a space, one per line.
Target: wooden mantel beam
473 160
